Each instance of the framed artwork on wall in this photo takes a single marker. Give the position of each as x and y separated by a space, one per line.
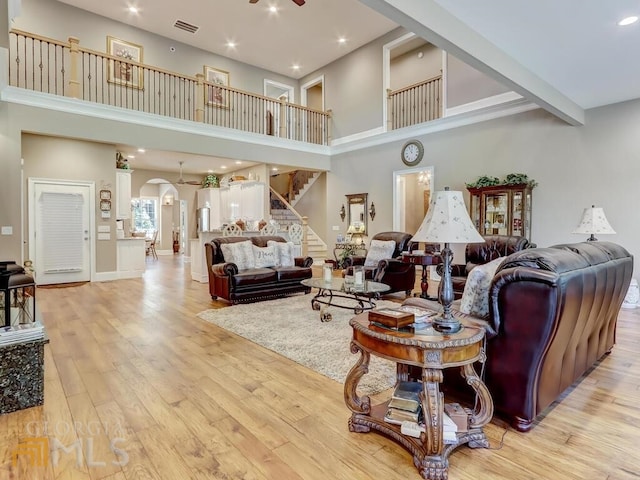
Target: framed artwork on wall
218 97
121 72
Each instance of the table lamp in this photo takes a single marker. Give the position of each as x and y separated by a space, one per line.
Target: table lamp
357 232
594 221
447 221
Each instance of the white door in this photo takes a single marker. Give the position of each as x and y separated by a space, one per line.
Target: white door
60 231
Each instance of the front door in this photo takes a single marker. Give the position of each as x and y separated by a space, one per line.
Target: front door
60 230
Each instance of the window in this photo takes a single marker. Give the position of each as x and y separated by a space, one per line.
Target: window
145 215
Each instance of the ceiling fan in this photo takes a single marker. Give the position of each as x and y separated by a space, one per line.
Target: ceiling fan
182 181
297 2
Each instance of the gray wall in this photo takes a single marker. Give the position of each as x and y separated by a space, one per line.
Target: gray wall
466 84
59 21
66 159
408 69
574 166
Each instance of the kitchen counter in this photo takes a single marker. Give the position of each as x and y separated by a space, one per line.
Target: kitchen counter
131 253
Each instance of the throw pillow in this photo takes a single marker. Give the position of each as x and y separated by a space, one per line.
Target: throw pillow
264 256
475 298
379 250
284 253
240 253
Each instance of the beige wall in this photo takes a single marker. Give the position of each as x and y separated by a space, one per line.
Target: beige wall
575 167
409 69
67 159
465 84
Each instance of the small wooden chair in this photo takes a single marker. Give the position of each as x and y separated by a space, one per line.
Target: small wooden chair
151 246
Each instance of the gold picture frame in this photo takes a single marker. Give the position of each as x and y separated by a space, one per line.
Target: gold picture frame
122 72
217 97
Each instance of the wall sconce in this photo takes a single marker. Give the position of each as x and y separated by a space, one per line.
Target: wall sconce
343 212
372 211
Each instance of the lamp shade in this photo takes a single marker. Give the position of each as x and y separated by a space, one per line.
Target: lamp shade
447 221
594 221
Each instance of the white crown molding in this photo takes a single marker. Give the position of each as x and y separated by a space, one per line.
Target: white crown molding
483 110
81 107
447 123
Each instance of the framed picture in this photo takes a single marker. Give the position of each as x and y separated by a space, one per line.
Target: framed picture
216 96
124 73
105 194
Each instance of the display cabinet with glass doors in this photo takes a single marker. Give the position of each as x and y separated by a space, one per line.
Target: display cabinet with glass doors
502 209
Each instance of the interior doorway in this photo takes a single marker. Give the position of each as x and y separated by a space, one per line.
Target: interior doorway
412 190
275 119
312 96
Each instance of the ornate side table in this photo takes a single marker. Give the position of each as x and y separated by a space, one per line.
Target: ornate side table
433 352
425 260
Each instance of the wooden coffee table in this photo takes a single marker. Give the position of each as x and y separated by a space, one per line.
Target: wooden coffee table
335 294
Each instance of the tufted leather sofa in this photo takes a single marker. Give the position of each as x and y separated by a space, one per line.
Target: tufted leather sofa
494 246
553 314
254 284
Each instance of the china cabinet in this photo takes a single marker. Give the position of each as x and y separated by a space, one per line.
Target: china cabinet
502 209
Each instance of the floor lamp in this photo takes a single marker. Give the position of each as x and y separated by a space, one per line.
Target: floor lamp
447 221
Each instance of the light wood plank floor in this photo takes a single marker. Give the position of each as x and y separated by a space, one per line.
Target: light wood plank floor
130 367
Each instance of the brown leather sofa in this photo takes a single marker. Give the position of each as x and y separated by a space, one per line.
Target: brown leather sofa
553 314
393 271
253 284
494 246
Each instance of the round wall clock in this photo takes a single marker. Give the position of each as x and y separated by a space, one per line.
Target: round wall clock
412 153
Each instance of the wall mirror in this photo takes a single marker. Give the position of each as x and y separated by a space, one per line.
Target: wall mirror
357 210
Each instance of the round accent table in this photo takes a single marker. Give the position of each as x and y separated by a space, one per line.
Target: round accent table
432 352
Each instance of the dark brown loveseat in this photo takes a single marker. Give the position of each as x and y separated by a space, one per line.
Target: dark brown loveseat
553 314
253 284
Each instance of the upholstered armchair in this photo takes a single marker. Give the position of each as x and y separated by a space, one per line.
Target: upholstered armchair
494 246
390 269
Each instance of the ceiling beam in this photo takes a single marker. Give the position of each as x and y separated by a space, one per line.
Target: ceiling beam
433 23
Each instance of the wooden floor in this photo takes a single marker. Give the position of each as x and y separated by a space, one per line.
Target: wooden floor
130 364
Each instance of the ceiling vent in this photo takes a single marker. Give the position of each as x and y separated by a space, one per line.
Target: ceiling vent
187 27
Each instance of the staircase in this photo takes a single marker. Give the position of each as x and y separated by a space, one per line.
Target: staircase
316 248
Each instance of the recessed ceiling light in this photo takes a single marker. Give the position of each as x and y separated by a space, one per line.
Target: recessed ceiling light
209 171
132 156
273 9
238 162
133 9
231 44
628 21
275 169
295 67
342 40
141 150
223 167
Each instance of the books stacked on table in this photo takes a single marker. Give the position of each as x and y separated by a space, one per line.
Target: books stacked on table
405 404
405 407
25 332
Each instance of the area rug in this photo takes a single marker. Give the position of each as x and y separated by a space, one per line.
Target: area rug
291 328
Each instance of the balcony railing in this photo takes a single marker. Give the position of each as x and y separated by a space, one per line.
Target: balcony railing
66 69
415 104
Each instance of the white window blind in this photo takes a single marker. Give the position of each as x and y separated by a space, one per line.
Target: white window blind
62 231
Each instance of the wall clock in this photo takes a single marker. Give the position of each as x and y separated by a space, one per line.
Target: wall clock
412 153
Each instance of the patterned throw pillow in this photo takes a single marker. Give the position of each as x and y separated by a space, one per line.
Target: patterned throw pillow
379 250
475 298
240 253
264 256
284 253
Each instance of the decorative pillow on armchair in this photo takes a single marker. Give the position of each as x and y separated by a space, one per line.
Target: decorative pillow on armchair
240 253
379 250
475 299
285 253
